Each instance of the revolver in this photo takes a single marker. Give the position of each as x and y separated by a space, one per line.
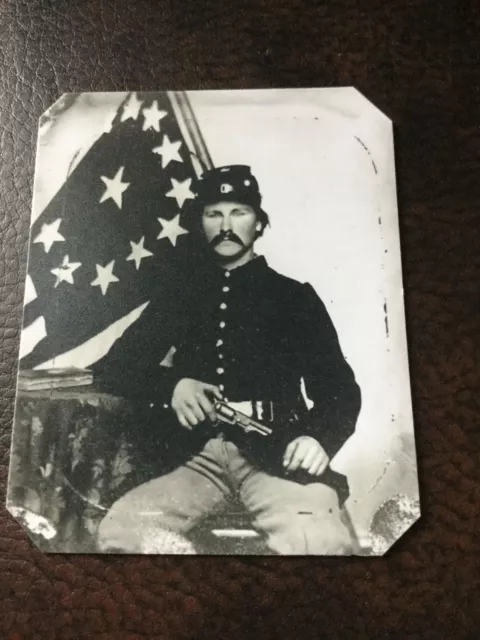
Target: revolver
226 414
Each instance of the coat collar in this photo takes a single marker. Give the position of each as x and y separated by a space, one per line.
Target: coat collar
248 270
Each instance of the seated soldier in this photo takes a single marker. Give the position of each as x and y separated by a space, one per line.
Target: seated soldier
248 337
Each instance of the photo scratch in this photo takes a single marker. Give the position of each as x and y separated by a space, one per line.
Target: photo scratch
381 476
368 151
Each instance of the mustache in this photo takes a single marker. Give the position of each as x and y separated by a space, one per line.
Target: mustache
225 235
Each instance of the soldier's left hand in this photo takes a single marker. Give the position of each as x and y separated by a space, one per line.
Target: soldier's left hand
306 453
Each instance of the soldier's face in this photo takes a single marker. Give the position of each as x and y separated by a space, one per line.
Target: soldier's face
230 228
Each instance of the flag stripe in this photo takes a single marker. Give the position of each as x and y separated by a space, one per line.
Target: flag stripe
97 347
31 336
30 291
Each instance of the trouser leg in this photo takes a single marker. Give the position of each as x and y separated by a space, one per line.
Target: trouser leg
152 517
297 519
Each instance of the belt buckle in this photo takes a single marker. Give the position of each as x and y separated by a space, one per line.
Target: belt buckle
263 410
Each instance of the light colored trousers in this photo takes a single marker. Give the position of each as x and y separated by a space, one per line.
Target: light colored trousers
296 519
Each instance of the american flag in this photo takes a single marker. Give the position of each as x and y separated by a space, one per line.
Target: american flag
113 234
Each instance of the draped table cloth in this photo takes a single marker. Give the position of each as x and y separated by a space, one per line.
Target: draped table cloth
63 484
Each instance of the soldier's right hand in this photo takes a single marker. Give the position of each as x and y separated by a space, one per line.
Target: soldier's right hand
192 401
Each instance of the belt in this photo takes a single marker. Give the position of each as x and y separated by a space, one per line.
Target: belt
260 410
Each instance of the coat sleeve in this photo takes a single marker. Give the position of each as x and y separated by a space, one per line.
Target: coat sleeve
329 380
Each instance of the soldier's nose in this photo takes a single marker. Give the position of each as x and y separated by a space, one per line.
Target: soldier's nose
226 224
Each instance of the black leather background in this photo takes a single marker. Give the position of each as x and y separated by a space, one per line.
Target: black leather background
418 61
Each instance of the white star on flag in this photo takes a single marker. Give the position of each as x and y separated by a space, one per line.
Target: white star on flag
181 191
168 150
49 234
115 188
152 116
171 229
104 276
131 109
65 271
138 252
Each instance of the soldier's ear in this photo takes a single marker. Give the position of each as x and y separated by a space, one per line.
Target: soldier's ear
258 226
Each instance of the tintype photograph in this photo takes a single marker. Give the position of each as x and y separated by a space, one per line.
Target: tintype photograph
213 357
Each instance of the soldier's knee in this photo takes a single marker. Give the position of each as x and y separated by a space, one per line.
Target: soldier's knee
328 540
307 534
117 534
145 536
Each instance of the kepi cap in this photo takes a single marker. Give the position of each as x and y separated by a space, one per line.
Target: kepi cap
232 182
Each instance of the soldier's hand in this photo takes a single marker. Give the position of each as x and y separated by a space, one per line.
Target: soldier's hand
192 401
306 453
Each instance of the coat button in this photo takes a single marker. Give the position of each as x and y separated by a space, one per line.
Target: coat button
220 371
227 274
219 343
223 306
222 325
226 289
220 355
221 387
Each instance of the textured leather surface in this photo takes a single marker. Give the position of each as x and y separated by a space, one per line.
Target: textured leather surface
419 62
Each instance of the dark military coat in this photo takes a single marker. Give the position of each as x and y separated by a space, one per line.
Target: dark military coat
256 334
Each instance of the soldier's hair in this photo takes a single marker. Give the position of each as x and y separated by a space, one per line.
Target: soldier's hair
264 220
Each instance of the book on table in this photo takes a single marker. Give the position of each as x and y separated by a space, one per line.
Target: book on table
61 378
